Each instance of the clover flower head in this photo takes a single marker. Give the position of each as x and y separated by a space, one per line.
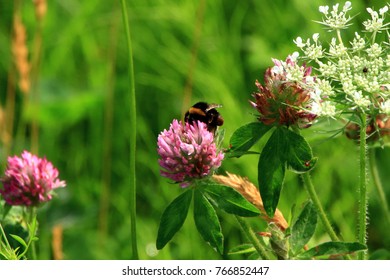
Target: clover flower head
287 96
188 152
29 180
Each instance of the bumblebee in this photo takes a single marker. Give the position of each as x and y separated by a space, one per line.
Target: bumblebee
205 113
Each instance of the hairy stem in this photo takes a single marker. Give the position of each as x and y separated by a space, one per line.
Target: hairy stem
133 131
362 230
249 233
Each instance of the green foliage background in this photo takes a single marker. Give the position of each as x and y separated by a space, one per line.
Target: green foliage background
184 52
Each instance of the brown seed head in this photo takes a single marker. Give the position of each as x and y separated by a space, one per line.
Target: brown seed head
20 54
40 9
252 194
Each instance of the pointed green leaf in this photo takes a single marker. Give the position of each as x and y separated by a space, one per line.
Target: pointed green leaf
19 239
271 170
206 221
242 249
231 201
304 228
173 218
299 156
332 248
245 137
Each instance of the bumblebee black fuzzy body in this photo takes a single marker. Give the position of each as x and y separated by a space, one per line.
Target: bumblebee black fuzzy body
205 113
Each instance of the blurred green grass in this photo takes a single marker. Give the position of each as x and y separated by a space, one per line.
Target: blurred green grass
83 114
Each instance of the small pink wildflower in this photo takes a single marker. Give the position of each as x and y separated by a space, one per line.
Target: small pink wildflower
29 180
187 152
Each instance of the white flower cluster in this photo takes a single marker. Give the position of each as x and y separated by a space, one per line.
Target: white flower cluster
336 19
292 71
376 23
355 75
319 89
312 51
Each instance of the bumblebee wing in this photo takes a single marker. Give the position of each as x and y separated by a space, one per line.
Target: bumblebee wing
213 106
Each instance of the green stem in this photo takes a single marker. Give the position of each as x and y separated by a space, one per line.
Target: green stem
362 230
32 216
339 37
248 231
314 197
4 236
133 131
378 185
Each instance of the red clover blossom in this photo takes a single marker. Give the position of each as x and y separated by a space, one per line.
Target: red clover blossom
187 152
29 180
288 95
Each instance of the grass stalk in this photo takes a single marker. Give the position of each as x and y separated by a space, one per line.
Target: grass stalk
9 112
35 98
133 131
108 134
194 55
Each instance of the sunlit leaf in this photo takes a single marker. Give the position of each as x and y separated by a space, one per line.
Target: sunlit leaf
206 221
245 137
304 227
299 156
19 239
271 170
173 218
231 201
